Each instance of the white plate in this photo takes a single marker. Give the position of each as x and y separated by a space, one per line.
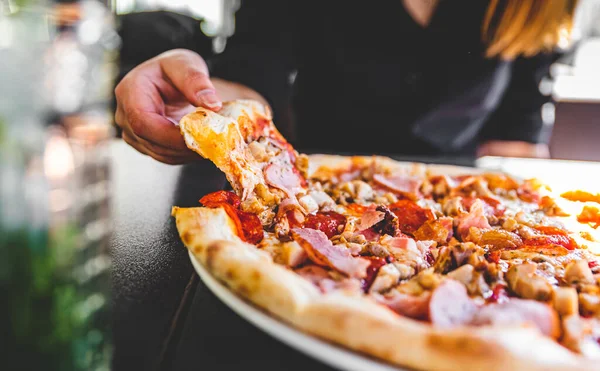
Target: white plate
325 352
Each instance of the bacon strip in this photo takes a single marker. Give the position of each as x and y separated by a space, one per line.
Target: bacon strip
370 217
475 218
416 307
404 184
321 251
286 178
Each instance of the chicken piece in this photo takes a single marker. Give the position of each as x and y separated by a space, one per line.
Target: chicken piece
439 230
405 271
523 281
355 191
292 254
589 304
499 239
387 277
580 334
322 199
309 204
578 271
463 274
428 279
453 206
565 301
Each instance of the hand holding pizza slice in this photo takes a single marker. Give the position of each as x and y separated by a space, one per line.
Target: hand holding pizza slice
429 267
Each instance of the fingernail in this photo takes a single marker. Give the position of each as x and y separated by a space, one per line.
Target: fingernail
209 98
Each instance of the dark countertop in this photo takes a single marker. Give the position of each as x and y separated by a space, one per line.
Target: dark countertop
165 318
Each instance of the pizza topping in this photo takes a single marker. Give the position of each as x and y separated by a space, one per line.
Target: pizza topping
354 191
370 234
248 225
439 230
578 271
463 274
218 198
387 276
453 206
407 251
500 181
375 265
499 239
328 222
407 186
450 305
551 236
412 306
389 223
581 196
499 294
491 206
591 215
251 227
286 178
475 218
526 282
519 312
528 191
410 215
370 217
321 251
581 335
292 254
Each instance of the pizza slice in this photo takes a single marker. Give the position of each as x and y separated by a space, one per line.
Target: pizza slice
431 267
241 139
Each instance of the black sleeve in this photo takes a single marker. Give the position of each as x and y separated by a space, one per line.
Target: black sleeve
260 54
518 116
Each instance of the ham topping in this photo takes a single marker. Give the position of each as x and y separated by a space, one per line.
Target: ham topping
475 218
450 305
519 312
416 307
286 178
321 251
404 184
370 234
370 217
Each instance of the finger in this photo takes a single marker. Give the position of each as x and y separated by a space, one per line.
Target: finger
139 106
156 148
189 73
142 148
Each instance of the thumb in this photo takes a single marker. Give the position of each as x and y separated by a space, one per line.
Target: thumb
189 74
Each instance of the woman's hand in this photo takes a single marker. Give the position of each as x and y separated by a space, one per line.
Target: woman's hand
155 95
513 149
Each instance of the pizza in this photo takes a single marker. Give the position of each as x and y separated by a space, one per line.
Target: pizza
426 266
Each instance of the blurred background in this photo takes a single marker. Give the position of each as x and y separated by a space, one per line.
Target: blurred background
59 64
574 81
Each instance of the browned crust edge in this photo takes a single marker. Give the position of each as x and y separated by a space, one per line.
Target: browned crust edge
357 322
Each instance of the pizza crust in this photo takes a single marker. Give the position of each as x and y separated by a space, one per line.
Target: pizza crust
355 321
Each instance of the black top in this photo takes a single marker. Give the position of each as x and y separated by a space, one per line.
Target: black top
381 82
